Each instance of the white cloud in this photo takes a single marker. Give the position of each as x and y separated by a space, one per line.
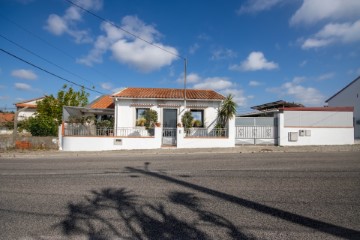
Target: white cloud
59 25
254 62
333 33
239 98
303 63
24 74
190 78
254 6
221 54
194 48
312 11
106 86
254 83
22 86
304 95
129 50
326 76
216 83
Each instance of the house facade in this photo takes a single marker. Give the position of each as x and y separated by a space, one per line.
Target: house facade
170 105
349 96
27 108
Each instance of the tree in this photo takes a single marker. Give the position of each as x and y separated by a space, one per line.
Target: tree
42 126
226 111
151 118
53 107
187 120
49 111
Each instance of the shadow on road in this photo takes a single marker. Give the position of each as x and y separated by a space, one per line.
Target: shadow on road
278 213
118 213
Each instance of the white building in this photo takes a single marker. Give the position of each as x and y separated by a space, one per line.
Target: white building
301 126
27 108
170 105
349 96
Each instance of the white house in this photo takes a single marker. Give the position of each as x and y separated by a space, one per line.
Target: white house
27 108
349 96
170 105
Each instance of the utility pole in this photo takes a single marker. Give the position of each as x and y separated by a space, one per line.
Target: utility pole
185 66
15 124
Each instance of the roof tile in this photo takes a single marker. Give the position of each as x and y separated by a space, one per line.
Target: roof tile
169 93
102 102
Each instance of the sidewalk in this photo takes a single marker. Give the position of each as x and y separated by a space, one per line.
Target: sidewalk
240 149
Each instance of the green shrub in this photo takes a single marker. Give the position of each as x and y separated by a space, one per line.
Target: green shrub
187 120
41 126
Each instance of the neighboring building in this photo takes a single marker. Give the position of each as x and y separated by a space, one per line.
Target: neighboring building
269 109
5 119
349 96
170 105
103 102
315 126
30 105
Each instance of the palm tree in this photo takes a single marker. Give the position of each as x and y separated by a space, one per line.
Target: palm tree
226 111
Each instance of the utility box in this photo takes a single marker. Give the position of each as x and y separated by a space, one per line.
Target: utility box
301 133
293 136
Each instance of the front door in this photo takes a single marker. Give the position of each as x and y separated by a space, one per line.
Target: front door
169 129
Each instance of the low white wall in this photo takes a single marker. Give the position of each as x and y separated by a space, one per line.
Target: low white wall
70 143
318 135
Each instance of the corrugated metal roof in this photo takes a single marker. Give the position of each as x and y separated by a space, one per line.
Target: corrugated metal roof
169 93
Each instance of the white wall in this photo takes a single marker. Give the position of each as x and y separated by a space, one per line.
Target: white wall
349 97
126 114
26 114
319 135
108 143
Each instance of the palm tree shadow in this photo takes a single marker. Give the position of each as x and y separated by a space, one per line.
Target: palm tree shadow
118 213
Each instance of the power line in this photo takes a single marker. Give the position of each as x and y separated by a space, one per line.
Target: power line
48 72
50 44
48 61
124 30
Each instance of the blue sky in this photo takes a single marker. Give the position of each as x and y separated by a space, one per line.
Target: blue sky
259 50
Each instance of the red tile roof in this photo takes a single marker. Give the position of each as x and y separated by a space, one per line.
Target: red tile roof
103 102
169 93
6 117
28 103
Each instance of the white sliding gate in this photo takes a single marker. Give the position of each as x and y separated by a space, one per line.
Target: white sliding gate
256 130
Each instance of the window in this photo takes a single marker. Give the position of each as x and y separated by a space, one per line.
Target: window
198 116
140 120
140 112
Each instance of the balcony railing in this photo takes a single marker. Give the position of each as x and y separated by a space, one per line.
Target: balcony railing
206 133
84 130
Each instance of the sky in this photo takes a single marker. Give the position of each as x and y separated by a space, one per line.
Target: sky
260 51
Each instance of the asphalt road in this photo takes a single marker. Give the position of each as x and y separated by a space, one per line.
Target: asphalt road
182 196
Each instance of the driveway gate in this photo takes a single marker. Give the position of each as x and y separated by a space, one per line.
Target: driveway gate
256 130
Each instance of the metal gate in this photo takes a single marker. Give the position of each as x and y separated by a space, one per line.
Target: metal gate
256 130
169 136
169 129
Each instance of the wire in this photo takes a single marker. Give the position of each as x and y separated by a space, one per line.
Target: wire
48 72
48 61
124 30
51 45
